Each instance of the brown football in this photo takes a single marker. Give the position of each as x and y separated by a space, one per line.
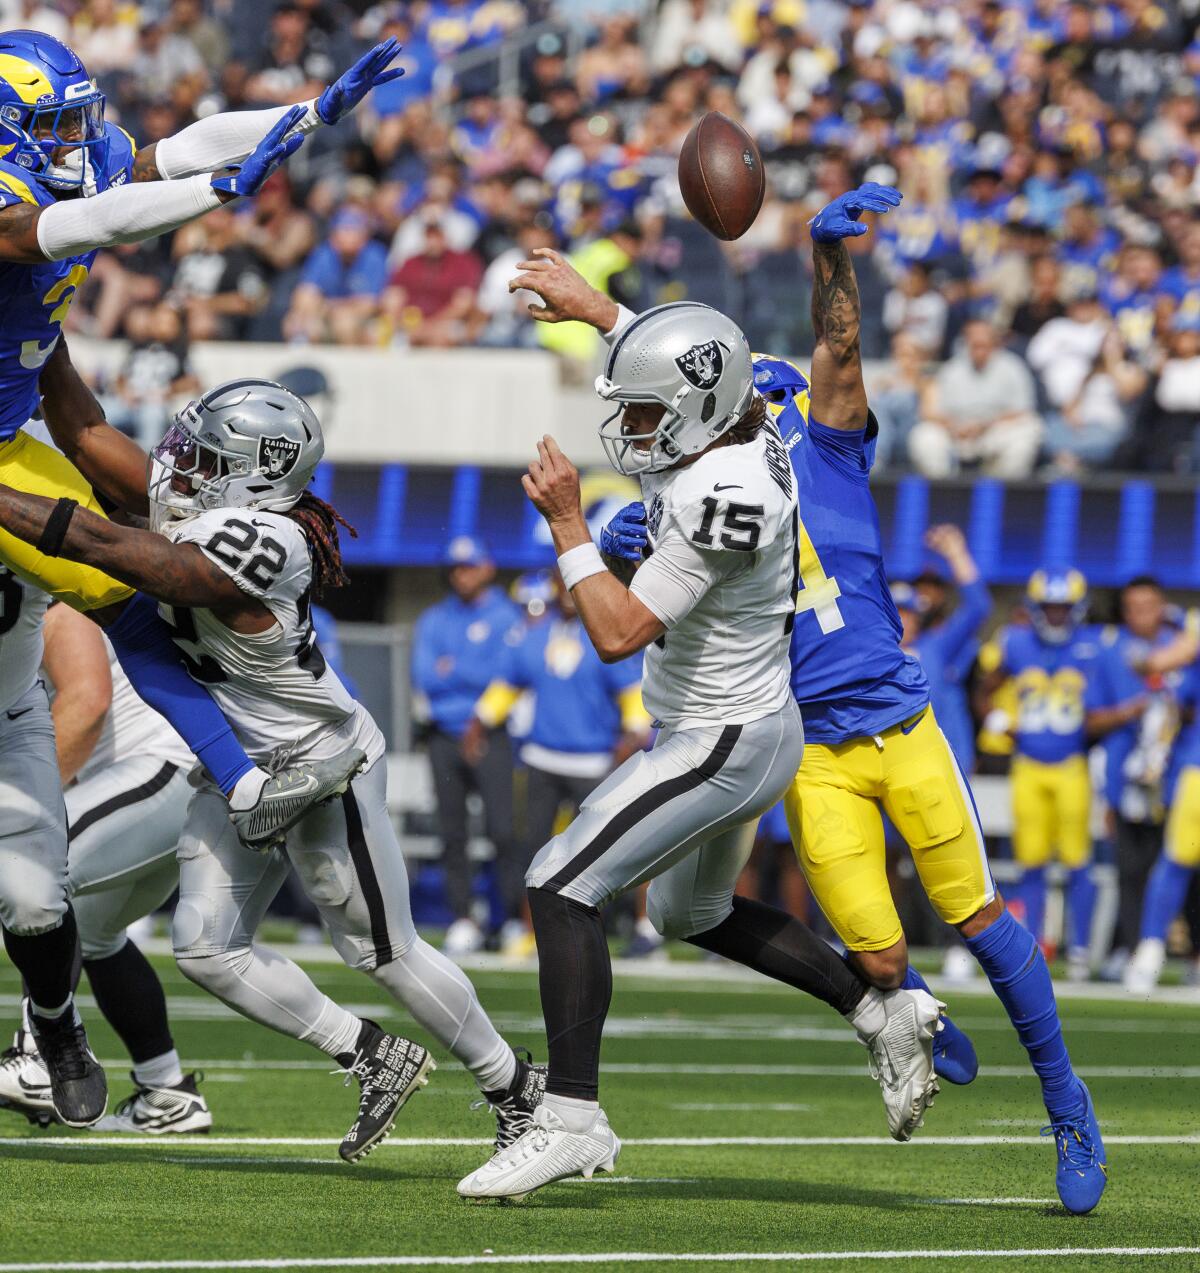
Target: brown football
721 176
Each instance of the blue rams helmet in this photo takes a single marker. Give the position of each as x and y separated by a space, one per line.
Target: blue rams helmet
48 104
1066 591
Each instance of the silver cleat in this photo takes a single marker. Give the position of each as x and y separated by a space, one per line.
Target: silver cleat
288 795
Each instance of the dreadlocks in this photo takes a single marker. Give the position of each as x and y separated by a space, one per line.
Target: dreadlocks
320 522
749 423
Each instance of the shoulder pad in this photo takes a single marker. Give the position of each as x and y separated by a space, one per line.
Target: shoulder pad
19 186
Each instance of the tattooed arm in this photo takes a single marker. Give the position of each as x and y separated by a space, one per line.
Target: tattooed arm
179 574
839 397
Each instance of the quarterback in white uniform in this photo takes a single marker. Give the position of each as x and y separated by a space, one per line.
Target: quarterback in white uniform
243 550
713 606
124 770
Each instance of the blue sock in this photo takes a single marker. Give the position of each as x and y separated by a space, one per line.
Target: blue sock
1081 902
1165 892
1033 893
1013 962
148 656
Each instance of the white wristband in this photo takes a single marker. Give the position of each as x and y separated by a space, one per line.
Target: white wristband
579 563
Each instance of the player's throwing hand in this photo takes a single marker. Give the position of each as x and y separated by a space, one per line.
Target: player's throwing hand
552 483
564 292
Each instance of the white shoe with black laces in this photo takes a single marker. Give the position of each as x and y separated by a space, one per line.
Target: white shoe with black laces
545 1153
901 1057
160 1111
24 1082
389 1070
288 795
514 1109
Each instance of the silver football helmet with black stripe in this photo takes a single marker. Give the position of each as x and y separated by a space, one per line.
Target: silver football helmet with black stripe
245 444
693 361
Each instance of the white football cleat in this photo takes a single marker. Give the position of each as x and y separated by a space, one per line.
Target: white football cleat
25 1081
545 1153
1144 969
901 1057
160 1111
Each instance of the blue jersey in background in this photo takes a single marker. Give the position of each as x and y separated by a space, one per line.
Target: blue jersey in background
1051 683
34 299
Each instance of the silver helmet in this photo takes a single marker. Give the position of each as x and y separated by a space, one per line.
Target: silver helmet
244 444
693 361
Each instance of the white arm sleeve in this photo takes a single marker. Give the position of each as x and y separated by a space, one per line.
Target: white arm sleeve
676 575
624 318
126 214
221 140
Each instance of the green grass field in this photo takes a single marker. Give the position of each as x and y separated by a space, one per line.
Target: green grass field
689 1063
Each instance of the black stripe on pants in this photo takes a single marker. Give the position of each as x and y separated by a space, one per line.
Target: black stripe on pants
122 801
364 868
639 809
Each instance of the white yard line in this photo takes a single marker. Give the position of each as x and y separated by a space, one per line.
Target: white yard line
201 1142
764 1070
488 1258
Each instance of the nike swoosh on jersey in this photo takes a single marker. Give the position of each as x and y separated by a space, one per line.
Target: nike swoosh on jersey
17 715
728 486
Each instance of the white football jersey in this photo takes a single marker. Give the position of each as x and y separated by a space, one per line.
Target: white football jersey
132 728
281 699
22 609
723 579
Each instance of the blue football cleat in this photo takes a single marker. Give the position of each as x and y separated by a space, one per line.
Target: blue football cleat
1082 1162
954 1056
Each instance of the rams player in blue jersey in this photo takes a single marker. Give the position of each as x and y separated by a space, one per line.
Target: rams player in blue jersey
71 183
1049 662
872 740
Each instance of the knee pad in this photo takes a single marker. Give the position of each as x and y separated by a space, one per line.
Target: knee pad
658 913
328 880
101 945
32 908
692 921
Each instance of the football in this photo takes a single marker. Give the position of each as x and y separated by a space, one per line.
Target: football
721 176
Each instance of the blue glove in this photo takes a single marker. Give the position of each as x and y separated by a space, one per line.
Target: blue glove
345 93
839 219
247 178
625 536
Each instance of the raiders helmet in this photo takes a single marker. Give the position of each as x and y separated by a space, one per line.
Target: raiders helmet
244 444
692 360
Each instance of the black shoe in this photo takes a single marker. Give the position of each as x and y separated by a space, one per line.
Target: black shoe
77 1082
389 1070
514 1108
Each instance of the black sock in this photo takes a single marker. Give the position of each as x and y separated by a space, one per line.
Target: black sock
130 995
575 979
46 961
778 945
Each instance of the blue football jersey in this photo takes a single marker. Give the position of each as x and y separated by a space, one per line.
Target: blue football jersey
1051 685
34 299
849 674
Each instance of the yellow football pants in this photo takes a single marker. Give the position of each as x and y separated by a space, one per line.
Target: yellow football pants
1052 807
833 811
36 469
1182 842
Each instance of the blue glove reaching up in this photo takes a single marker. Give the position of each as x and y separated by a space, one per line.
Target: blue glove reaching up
625 536
839 219
345 93
247 177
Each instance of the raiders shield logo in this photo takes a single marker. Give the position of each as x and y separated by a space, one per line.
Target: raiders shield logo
702 364
654 516
277 456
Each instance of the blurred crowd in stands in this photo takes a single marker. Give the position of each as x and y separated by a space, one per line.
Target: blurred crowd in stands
1035 300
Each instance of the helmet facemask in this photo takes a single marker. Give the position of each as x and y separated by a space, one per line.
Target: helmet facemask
189 476
76 125
664 447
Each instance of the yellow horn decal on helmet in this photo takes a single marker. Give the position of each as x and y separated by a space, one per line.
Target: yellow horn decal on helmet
26 80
